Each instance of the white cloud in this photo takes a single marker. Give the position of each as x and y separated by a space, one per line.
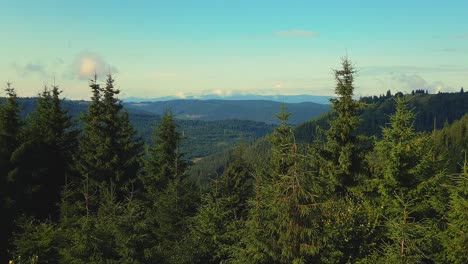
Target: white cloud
296 33
407 83
181 95
279 86
218 92
86 64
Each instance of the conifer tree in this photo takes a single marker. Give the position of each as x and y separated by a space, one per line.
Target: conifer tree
346 216
455 237
43 159
165 161
411 188
216 229
10 128
281 227
109 151
341 152
169 194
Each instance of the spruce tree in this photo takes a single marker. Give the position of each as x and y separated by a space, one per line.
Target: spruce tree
44 157
217 228
281 227
341 152
109 151
412 190
10 129
169 195
346 215
455 237
164 159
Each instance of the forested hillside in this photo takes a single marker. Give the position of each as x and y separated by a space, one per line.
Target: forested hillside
448 108
204 138
433 111
97 193
240 97
200 138
255 110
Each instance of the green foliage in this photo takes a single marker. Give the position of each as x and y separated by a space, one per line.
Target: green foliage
433 111
339 199
281 227
108 148
215 110
201 138
10 129
169 195
341 155
43 159
451 143
36 239
215 230
456 237
412 190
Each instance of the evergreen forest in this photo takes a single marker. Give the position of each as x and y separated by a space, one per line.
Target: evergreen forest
381 179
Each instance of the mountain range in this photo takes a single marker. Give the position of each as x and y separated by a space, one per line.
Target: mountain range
275 98
211 110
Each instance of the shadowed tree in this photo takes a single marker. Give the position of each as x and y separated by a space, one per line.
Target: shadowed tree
43 159
170 197
10 128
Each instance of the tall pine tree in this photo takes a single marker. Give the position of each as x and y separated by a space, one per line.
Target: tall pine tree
412 190
217 228
109 151
342 155
10 128
43 159
281 227
170 197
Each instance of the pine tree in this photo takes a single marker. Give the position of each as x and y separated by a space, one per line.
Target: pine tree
388 94
346 216
281 227
455 237
411 188
96 207
109 151
341 152
169 194
43 159
165 161
10 129
216 229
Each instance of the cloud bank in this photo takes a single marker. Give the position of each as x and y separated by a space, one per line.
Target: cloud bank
407 83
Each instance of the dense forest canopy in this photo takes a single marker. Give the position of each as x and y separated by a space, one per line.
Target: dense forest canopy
376 180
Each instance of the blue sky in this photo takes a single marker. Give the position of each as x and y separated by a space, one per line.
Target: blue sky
160 48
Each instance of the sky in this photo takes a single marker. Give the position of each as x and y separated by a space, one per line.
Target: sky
191 48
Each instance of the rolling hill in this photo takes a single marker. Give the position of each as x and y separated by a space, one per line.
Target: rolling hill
210 110
276 98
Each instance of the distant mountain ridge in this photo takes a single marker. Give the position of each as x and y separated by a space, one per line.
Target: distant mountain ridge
201 137
319 99
212 110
